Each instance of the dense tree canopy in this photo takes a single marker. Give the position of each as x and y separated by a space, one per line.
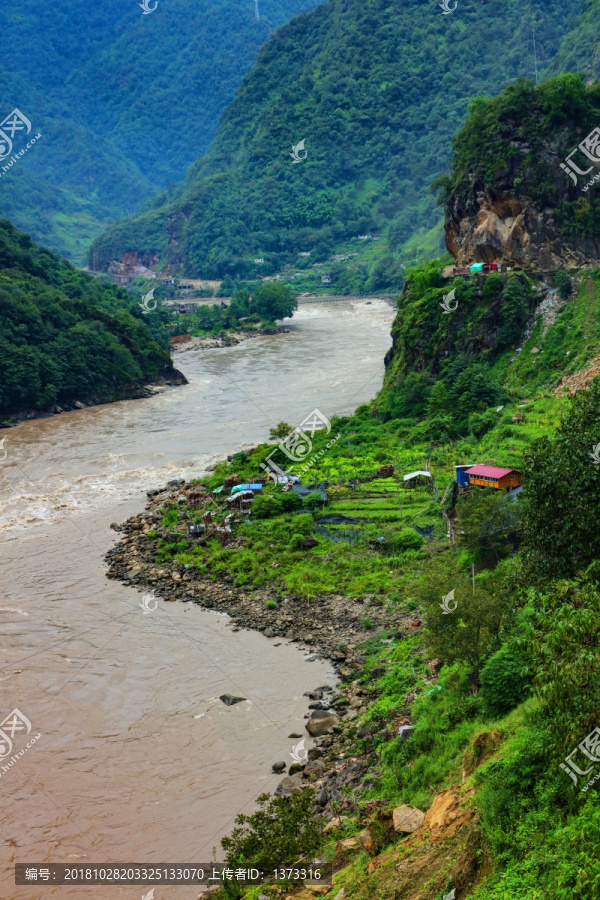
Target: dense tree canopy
274 301
560 522
64 336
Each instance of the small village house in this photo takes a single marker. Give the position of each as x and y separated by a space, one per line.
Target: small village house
489 476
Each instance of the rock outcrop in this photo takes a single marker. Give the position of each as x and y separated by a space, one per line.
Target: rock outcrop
513 230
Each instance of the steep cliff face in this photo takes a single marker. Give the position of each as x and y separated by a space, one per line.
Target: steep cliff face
521 189
517 231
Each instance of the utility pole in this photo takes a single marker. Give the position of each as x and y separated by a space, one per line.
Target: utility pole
534 54
256 12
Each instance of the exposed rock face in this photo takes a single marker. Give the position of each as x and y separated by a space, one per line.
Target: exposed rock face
573 383
369 842
444 810
289 785
503 227
133 264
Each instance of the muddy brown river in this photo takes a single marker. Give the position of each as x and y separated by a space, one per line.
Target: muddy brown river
137 759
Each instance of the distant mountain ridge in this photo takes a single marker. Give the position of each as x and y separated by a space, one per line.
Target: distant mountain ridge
377 93
125 102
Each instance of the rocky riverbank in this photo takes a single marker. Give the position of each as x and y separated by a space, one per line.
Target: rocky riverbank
227 340
135 391
331 627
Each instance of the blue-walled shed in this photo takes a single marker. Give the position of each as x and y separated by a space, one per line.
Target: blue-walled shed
462 478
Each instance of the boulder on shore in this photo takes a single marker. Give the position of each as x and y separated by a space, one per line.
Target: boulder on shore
320 721
289 785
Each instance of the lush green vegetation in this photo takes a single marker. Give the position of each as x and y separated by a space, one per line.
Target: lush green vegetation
525 623
66 337
282 828
579 50
377 91
256 312
273 301
125 103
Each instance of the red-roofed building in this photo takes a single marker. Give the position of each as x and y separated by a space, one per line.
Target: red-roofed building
493 476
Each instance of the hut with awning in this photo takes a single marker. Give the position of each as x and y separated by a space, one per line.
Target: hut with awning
414 479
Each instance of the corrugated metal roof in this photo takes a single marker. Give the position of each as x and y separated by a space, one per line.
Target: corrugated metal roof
414 475
246 487
489 471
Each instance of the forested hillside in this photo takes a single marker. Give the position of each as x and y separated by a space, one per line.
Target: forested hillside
67 338
125 102
376 92
580 51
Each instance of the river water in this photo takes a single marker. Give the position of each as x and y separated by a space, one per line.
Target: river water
137 759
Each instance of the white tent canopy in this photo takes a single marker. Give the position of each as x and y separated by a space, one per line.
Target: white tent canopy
412 475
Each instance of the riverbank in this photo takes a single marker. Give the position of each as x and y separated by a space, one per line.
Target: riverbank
231 339
332 627
137 391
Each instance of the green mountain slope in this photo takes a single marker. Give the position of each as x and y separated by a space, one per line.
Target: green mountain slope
65 337
376 92
125 102
580 50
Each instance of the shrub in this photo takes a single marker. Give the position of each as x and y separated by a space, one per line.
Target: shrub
407 539
470 631
563 284
488 524
502 685
271 604
289 501
281 831
265 506
480 423
313 500
296 540
303 522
